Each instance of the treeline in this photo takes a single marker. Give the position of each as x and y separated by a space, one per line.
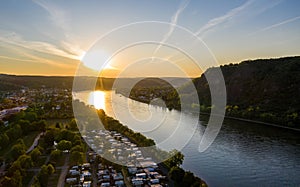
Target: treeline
265 90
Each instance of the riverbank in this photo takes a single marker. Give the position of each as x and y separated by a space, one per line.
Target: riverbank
254 121
205 113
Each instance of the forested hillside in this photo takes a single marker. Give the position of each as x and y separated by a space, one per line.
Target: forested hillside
267 90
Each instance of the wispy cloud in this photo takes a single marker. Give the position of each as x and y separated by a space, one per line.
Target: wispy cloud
57 15
211 24
276 25
43 47
61 19
17 59
173 23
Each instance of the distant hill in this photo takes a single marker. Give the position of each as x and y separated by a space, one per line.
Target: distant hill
16 82
265 89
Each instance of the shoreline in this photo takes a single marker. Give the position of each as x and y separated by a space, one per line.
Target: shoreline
226 117
256 122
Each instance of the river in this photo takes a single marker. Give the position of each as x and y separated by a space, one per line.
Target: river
243 154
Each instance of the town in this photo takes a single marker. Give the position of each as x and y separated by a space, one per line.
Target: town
41 146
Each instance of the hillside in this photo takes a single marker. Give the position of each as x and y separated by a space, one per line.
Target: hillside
266 90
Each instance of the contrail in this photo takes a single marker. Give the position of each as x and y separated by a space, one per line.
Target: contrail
172 24
219 20
276 25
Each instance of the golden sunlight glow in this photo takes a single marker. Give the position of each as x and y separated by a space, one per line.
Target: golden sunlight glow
97 99
96 59
82 55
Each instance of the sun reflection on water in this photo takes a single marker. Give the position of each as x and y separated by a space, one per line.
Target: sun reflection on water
97 99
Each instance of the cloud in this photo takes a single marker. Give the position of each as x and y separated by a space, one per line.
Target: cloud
224 18
57 15
43 47
276 25
61 19
173 23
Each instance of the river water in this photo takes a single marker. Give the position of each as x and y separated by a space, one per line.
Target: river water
243 154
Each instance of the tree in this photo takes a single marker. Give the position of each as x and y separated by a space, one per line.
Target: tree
16 166
65 135
73 125
14 181
30 116
55 155
176 174
64 145
188 179
176 159
15 132
41 125
77 148
4 140
77 157
36 182
17 178
50 169
45 172
17 150
49 138
25 126
25 161
35 154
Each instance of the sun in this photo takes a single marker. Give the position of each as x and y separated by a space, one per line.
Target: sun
96 59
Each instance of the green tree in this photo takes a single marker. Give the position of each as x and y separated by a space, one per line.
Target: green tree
77 157
176 174
55 155
25 126
77 148
65 135
17 150
45 172
15 132
16 166
50 169
25 161
176 159
73 125
30 116
40 125
35 154
49 138
36 182
188 179
4 140
64 145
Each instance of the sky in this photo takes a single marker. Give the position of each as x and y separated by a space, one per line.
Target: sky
143 38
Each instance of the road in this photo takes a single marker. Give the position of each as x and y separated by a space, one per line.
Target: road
35 142
63 173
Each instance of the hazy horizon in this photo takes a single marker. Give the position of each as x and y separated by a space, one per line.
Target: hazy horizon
58 39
